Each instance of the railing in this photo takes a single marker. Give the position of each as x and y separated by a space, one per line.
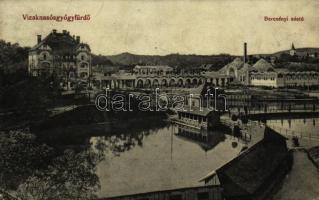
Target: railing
270 111
293 133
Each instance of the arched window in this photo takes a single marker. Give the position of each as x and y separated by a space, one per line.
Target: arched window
44 56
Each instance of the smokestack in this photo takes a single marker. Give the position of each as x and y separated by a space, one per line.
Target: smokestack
245 52
78 39
39 39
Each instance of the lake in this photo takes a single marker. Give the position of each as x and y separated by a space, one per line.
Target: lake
163 161
305 126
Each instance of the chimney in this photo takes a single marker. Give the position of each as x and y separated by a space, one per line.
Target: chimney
245 53
54 31
78 39
64 32
39 39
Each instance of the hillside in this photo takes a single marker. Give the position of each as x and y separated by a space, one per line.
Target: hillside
309 50
298 66
174 60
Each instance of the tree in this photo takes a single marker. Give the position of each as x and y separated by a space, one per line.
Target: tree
20 156
71 176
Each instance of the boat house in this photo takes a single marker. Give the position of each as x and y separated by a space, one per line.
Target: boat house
197 121
255 173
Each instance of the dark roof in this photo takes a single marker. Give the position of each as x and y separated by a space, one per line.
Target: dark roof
262 65
248 172
60 42
199 90
236 63
204 89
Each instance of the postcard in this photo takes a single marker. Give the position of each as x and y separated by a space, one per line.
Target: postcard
159 100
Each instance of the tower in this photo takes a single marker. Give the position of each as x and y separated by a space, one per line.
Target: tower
292 50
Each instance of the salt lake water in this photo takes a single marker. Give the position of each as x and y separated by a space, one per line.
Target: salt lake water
163 161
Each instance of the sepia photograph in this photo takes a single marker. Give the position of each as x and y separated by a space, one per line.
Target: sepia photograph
159 100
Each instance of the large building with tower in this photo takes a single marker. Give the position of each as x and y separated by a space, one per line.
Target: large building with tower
262 73
60 54
238 72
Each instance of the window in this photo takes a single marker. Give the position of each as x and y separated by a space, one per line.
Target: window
44 56
82 57
83 75
84 65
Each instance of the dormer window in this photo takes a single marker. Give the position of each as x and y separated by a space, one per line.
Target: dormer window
82 57
44 56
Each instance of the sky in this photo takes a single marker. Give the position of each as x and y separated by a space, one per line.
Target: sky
160 27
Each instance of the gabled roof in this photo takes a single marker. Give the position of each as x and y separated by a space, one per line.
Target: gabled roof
247 67
263 66
236 63
60 42
204 89
252 169
199 90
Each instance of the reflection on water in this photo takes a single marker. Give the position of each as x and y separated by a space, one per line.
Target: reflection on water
304 127
164 161
207 143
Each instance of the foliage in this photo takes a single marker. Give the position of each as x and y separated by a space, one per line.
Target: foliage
244 119
71 176
20 156
28 93
174 60
234 117
38 172
13 62
100 60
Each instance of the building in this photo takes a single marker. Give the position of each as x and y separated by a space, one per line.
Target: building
117 80
292 51
165 76
60 54
235 72
255 172
238 72
262 73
